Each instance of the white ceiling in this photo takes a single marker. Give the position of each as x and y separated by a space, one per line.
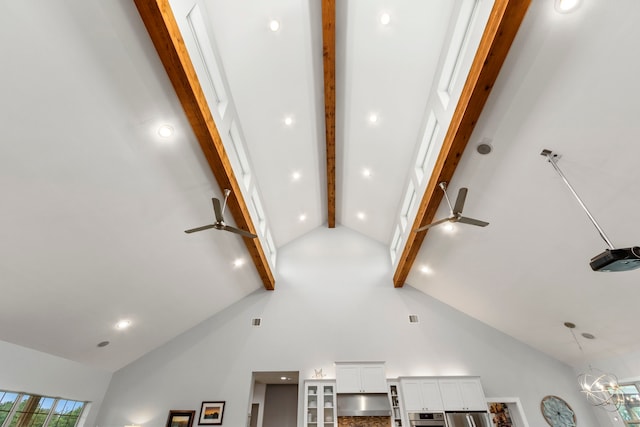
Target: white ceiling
95 202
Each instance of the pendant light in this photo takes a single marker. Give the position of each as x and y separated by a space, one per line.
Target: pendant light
600 388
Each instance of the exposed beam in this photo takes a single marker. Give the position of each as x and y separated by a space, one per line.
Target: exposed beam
329 61
502 27
163 29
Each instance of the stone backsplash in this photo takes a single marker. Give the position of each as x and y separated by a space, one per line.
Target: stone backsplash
364 421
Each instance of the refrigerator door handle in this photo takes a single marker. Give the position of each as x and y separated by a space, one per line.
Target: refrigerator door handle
470 421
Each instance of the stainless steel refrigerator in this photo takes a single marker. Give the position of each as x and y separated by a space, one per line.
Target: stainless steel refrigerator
468 419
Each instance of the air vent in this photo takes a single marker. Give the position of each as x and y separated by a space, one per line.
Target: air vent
413 318
256 322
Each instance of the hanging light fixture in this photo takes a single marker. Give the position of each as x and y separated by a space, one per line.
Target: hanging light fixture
600 388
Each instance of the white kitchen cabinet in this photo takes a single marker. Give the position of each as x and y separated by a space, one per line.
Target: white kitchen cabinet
361 378
320 404
462 394
421 394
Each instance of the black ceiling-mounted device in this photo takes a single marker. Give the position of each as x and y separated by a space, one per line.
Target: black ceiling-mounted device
611 259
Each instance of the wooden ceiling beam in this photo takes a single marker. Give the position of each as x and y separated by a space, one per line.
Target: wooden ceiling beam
161 25
502 27
329 62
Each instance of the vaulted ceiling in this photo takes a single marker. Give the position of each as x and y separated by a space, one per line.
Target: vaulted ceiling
96 201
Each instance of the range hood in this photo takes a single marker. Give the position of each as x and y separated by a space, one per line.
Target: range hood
363 405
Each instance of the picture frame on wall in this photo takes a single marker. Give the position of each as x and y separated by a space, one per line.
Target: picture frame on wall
211 413
178 418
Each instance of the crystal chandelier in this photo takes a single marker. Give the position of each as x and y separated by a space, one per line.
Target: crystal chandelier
600 388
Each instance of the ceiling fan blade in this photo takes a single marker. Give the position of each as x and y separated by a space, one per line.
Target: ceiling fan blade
239 231
462 195
217 210
465 220
204 227
424 227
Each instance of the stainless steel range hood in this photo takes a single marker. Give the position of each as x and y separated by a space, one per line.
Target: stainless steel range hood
363 405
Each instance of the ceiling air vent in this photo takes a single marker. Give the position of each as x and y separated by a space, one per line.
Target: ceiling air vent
256 322
413 318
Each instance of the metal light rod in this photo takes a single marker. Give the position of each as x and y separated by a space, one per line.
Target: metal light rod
551 156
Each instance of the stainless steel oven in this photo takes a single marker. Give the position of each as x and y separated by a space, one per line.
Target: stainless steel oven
430 419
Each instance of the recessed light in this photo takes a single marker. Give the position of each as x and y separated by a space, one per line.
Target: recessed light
123 324
425 270
366 173
165 131
361 215
288 120
385 18
373 118
296 176
103 344
238 262
566 6
449 228
302 217
274 25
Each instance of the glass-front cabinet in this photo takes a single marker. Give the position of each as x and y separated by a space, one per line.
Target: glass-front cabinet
320 404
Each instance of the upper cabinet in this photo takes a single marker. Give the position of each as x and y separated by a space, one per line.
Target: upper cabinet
462 394
360 378
421 394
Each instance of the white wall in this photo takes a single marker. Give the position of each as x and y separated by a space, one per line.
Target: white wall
334 301
30 371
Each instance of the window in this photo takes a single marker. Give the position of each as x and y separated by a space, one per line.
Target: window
32 410
630 409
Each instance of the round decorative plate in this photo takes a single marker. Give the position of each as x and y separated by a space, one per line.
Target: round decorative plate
557 412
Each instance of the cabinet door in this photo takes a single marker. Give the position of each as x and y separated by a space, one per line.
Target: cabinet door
421 395
313 400
431 399
472 394
329 405
348 379
451 396
372 379
411 395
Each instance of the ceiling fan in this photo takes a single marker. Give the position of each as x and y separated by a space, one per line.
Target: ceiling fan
219 224
456 211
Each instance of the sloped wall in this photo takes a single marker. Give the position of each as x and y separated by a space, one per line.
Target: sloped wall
334 301
30 371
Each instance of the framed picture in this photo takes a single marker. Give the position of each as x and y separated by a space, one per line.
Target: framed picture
211 413
180 418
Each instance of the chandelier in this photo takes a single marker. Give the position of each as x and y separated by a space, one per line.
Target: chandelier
600 388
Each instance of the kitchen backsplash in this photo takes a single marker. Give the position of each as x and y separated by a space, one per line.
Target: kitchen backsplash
364 421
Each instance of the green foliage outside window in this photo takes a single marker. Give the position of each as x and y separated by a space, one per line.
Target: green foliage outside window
24 410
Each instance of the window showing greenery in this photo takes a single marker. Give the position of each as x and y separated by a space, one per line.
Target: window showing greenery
630 409
30 410
7 400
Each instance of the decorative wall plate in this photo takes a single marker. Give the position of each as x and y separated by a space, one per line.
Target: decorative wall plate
557 412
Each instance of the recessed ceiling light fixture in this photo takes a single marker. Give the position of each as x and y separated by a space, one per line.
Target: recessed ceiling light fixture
566 6
296 175
425 270
385 18
373 118
238 262
366 173
449 228
165 131
288 120
123 324
103 344
361 215
274 25
302 217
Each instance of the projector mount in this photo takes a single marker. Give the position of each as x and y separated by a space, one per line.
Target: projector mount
611 259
